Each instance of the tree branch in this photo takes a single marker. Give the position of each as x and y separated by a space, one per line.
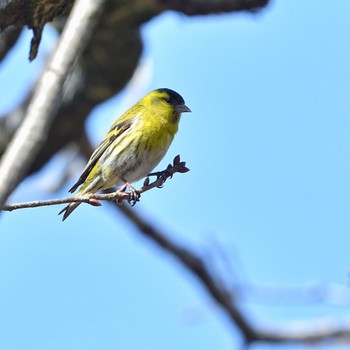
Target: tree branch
306 333
117 196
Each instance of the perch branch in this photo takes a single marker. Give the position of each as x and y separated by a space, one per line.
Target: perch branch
116 196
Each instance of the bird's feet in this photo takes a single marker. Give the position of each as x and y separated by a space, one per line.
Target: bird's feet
134 194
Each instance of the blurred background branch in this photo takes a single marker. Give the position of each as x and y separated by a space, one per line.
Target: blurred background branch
32 134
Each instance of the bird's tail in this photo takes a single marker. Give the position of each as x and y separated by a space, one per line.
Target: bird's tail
66 211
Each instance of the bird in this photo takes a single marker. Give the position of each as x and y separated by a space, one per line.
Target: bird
135 144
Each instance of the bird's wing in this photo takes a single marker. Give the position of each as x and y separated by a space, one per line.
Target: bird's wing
115 132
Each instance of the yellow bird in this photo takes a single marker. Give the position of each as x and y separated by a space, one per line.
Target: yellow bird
133 147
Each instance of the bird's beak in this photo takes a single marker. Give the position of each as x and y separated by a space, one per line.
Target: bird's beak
182 109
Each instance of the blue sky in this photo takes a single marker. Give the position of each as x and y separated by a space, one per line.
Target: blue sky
266 201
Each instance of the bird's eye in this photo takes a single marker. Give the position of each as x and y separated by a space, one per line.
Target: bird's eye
167 100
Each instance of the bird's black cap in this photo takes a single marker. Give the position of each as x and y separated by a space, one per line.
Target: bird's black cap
174 99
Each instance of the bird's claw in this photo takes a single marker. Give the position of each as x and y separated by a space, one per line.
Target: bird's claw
134 195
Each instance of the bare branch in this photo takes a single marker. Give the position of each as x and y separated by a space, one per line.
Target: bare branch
33 131
115 196
308 332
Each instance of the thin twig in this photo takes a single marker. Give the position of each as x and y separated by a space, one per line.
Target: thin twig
115 196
